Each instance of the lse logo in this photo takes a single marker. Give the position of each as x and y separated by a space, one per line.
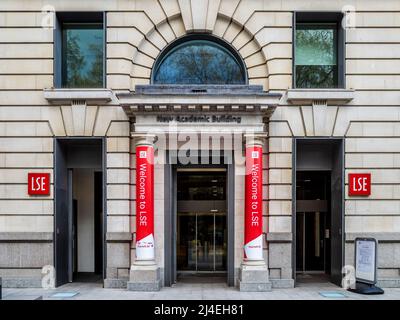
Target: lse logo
38 183
359 184
255 155
142 154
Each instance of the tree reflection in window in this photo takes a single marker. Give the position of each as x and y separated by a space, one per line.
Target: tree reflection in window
199 62
316 56
82 56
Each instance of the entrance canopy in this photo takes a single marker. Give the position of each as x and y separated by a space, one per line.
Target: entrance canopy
192 118
178 99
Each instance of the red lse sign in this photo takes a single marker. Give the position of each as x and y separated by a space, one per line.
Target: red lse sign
359 184
38 183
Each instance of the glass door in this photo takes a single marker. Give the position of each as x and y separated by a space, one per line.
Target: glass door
205 242
186 246
312 238
201 242
201 222
220 242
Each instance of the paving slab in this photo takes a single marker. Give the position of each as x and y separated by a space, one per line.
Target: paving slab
187 291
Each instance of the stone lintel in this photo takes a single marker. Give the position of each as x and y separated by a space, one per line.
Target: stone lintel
87 96
310 96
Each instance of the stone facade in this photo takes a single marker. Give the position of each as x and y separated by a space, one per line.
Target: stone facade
366 114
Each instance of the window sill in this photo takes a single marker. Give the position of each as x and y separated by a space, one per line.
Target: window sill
68 96
310 96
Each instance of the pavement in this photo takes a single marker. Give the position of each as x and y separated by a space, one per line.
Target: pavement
193 291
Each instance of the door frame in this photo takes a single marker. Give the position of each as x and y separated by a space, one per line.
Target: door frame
304 214
59 151
340 141
70 203
60 249
170 205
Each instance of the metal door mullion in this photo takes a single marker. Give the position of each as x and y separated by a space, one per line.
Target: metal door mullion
197 246
214 241
71 239
304 242
323 234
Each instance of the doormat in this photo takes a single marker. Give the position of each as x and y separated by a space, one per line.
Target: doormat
64 294
332 294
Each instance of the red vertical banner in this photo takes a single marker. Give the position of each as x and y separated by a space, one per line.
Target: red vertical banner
253 246
144 202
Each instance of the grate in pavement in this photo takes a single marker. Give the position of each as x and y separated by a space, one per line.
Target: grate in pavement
64 294
332 294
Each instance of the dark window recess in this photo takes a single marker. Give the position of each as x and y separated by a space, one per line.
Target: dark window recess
201 186
199 60
312 185
319 51
80 56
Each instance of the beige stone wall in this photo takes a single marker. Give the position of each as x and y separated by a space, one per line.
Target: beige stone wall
137 31
135 39
28 124
370 125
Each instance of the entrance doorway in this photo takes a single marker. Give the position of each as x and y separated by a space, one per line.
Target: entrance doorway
201 245
199 225
318 215
79 213
313 223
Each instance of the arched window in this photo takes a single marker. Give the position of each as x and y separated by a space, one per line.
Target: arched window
199 60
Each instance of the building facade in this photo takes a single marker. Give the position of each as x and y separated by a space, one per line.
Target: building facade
182 139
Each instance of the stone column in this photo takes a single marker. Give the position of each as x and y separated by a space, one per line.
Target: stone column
253 274
144 273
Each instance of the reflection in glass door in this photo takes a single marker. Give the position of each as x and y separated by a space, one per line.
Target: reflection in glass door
220 237
201 222
201 242
186 253
312 238
205 242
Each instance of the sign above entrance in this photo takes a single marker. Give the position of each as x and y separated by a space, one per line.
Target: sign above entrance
200 118
198 123
39 184
359 184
